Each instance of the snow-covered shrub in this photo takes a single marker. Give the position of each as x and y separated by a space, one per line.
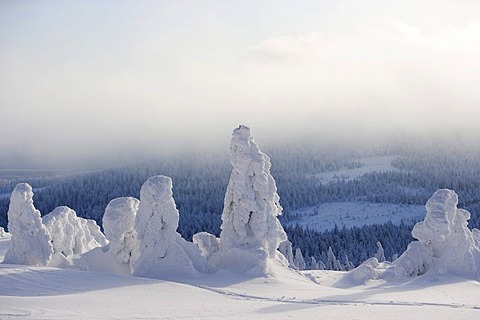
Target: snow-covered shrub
208 244
30 242
3 234
250 227
445 244
119 227
162 252
445 234
71 234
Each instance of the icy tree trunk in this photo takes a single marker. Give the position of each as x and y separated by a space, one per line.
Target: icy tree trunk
30 242
251 204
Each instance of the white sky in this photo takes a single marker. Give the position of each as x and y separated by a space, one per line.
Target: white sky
81 78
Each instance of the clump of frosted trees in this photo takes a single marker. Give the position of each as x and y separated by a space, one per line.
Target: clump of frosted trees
141 236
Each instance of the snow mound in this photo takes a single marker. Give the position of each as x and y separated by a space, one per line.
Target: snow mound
251 232
162 252
445 245
119 226
30 239
71 234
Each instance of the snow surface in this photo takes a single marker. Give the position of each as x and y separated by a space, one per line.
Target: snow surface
369 165
49 293
356 214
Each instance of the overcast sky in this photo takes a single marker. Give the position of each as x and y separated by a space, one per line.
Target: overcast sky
85 78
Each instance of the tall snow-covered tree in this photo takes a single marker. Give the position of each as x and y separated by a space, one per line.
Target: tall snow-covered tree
30 242
251 206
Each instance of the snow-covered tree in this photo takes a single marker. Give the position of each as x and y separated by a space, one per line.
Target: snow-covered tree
299 261
444 241
380 255
286 249
162 253
332 262
30 242
251 207
3 234
71 234
119 227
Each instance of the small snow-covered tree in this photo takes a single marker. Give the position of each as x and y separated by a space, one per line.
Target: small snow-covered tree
285 248
313 265
332 262
71 234
380 255
299 261
3 234
30 242
119 227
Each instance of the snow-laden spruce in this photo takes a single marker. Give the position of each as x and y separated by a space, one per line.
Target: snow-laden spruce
119 227
30 239
71 234
445 245
162 252
251 232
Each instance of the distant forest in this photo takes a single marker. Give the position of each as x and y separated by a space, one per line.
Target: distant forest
200 180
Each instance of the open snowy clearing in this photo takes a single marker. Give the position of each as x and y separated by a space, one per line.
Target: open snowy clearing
369 165
356 214
48 293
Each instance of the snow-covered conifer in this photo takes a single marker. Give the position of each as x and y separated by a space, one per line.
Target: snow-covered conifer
444 241
380 255
286 249
30 242
119 227
251 206
162 253
299 261
71 234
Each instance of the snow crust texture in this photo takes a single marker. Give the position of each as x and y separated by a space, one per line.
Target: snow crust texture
30 241
251 206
